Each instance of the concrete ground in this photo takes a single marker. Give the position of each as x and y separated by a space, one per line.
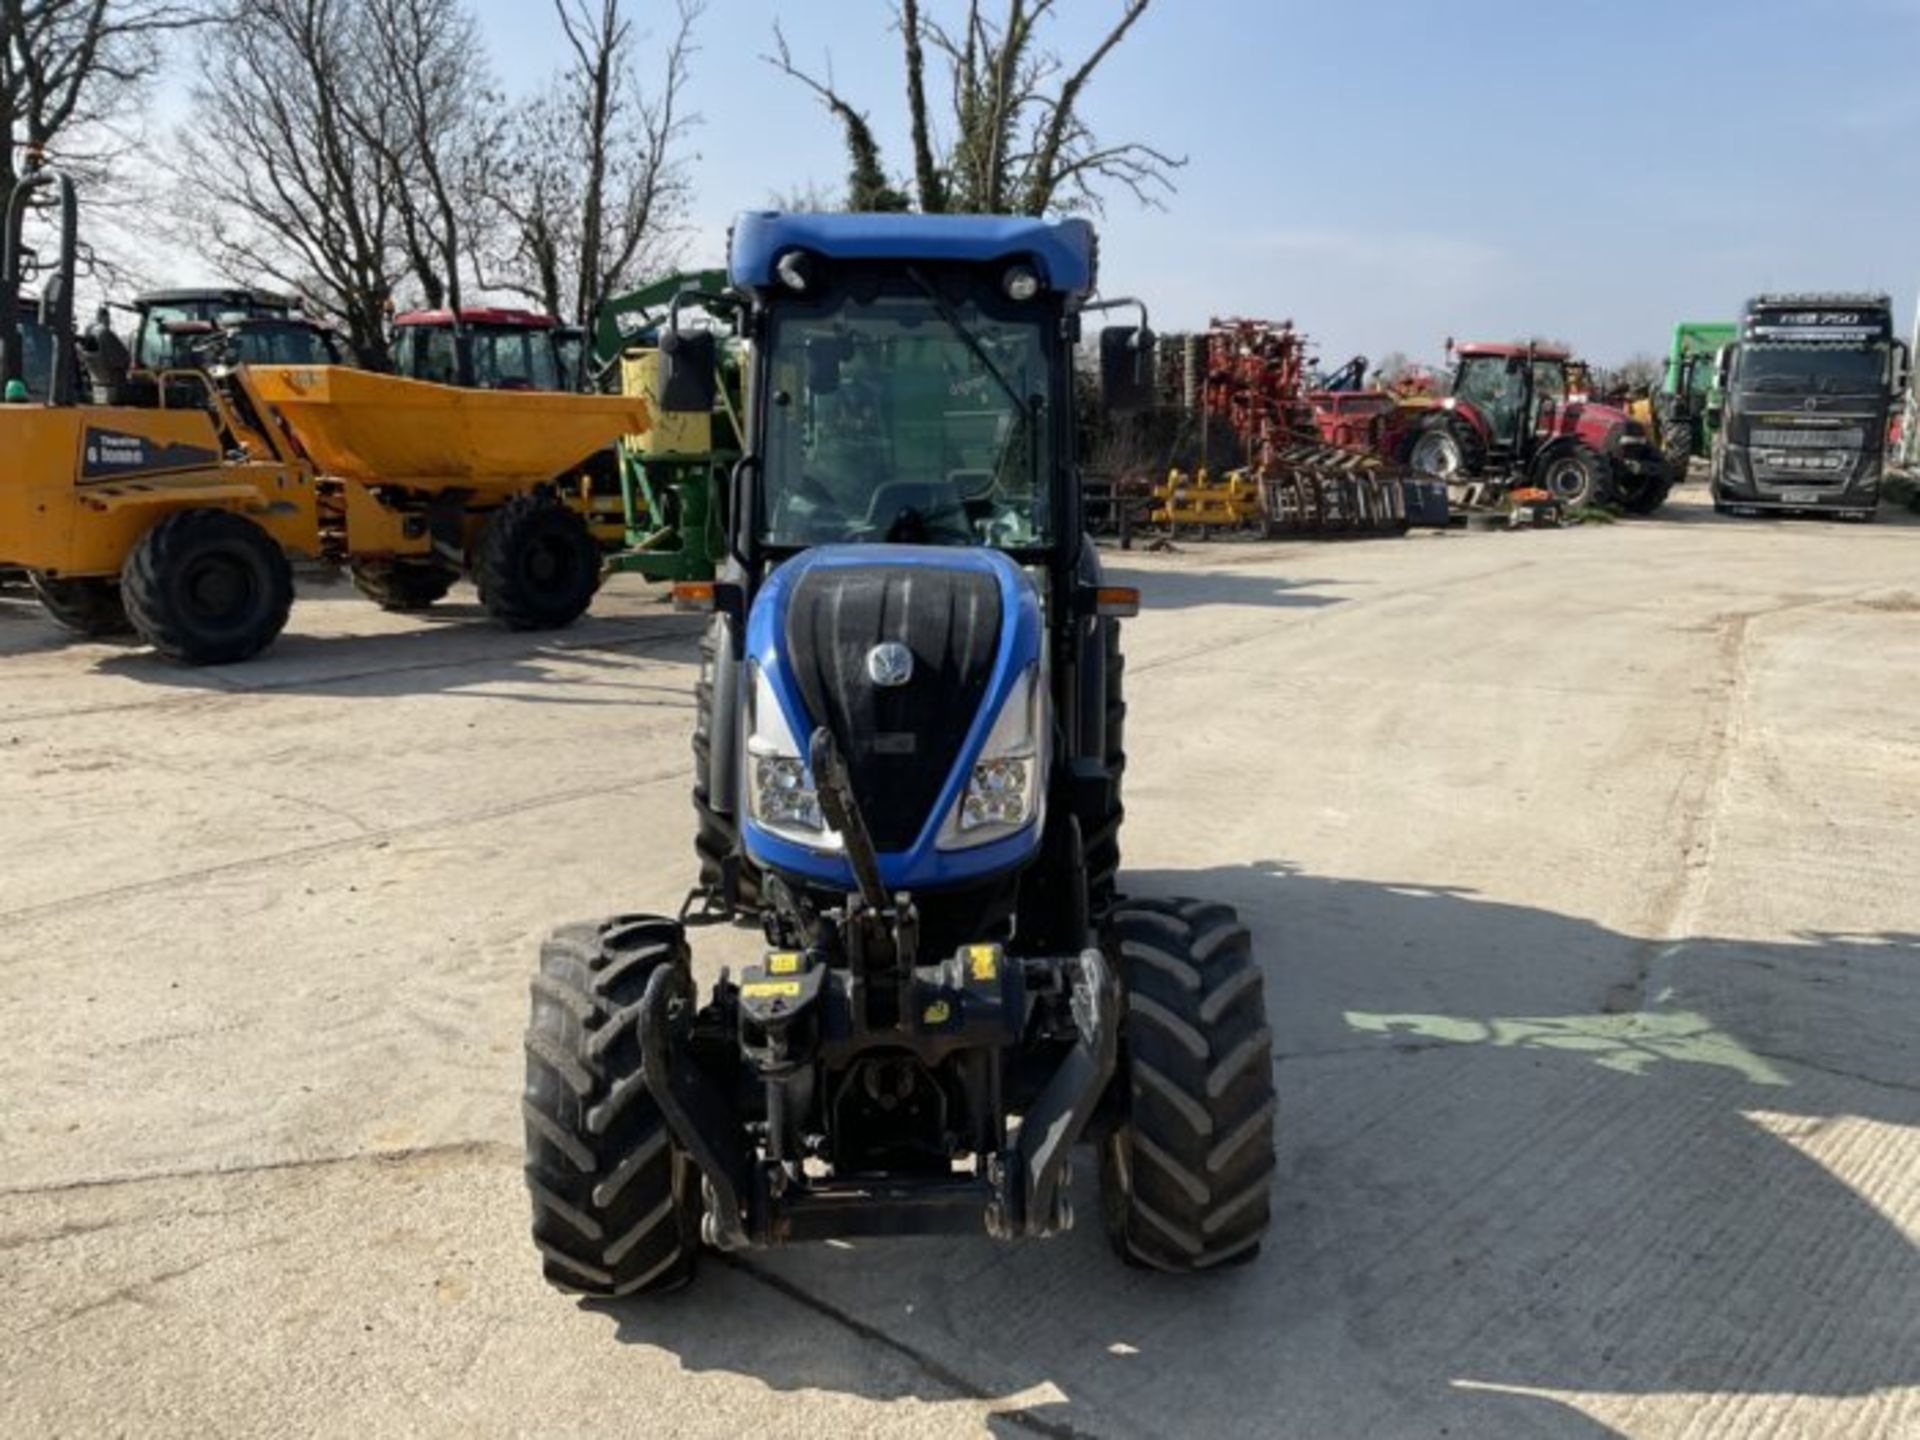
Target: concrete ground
1582 866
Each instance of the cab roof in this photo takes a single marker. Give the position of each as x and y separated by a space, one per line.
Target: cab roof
234 295
1063 251
1508 351
479 315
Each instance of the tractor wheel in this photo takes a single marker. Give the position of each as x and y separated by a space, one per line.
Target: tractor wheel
207 587
402 585
1576 477
716 836
1184 1180
87 607
1445 447
1641 494
616 1202
1101 843
537 566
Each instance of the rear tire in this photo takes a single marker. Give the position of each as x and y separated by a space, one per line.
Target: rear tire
402 586
1445 447
92 608
716 836
1185 1179
207 587
616 1202
537 566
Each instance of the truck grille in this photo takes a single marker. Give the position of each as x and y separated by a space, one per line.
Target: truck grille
1809 439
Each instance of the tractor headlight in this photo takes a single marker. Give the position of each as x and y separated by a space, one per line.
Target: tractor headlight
1005 788
780 793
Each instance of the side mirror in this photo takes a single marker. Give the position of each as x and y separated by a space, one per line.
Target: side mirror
688 359
1902 367
1715 413
1126 369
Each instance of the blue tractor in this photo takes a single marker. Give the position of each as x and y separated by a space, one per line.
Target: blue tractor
909 755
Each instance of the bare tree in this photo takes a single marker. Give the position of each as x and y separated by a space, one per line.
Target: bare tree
592 182
426 53
1019 142
284 174
71 73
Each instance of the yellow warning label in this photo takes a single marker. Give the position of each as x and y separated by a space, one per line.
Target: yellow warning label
938 1013
767 989
983 962
784 962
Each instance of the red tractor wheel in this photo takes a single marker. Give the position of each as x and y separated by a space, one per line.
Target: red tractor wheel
1576 477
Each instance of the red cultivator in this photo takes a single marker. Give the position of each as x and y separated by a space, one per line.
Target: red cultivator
1293 481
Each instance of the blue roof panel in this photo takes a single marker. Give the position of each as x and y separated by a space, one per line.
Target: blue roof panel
1063 249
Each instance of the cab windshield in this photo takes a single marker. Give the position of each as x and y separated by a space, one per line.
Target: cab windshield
918 418
272 342
1818 369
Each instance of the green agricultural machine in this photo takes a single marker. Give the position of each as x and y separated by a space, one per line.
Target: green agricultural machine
1677 412
673 478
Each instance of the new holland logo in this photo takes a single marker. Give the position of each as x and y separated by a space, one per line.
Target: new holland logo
890 664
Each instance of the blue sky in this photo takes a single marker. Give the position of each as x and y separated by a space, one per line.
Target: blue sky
1393 174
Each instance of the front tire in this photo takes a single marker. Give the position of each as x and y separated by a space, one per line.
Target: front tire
1577 477
207 587
1185 1178
93 608
616 1201
537 566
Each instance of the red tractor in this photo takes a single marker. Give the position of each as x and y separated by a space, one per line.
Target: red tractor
484 348
1515 415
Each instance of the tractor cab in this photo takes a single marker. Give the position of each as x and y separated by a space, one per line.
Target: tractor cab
173 328
1513 389
482 348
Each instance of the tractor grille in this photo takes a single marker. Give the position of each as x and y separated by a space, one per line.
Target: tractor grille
900 741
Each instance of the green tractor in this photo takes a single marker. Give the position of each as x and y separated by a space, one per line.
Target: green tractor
673 478
1677 412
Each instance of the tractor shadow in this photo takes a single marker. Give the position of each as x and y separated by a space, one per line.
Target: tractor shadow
1510 1199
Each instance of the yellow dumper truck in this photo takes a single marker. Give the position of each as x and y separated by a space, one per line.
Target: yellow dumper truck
176 519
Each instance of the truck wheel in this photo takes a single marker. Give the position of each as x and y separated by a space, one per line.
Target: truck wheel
537 566
616 1202
1184 1179
1576 477
207 587
87 607
1446 448
402 585
1101 843
716 836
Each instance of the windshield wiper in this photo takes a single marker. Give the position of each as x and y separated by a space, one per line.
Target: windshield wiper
954 323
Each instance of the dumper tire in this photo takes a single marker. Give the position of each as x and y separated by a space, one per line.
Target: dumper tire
616 1201
88 607
403 586
537 566
1185 1177
1101 842
207 587
716 837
